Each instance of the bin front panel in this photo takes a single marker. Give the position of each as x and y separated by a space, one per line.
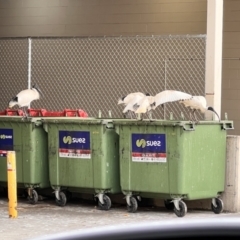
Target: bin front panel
10 139
70 159
83 156
199 169
143 166
30 144
192 167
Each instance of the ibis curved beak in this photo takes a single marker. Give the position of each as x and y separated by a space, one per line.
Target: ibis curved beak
212 109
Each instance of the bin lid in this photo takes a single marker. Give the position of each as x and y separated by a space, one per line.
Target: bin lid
19 120
74 120
187 125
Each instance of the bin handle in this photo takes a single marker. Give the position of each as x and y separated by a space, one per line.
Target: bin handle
189 127
227 125
109 124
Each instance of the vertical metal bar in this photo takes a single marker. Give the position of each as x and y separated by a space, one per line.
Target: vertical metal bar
12 184
165 85
29 63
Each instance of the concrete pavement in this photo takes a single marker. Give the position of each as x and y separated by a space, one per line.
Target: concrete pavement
47 218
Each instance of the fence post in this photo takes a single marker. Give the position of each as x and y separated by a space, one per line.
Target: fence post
12 184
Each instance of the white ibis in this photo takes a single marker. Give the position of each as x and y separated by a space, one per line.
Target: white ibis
198 103
193 102
25 97
126 99
169 96
129 101
144 105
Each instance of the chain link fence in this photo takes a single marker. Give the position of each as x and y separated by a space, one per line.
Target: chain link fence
92 73
14 65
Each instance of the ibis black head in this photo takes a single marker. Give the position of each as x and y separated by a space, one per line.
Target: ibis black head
153 105
212 109
147 94
35 86
136 106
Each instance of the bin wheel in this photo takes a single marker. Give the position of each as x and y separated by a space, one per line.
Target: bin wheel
219 207
68 195
182 209
34 198
107 203
169 205
63 199
134 205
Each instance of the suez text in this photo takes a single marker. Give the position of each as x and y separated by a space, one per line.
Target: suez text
143 143
78 140
153 143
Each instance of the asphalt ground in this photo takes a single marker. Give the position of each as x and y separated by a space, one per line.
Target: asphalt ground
46 217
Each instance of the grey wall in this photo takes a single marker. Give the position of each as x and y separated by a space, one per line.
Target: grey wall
231 63
101 17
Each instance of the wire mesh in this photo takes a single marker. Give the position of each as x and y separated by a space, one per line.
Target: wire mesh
14 65
92 73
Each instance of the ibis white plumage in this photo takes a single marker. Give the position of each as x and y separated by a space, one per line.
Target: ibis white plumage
198 103
144 105
130 102
25 97
193 102
126 99
169 96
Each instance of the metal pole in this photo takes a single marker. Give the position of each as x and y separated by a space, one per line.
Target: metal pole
29 63
12 184
165 84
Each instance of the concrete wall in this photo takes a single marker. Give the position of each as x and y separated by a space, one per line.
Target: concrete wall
21 18
231 195
231 63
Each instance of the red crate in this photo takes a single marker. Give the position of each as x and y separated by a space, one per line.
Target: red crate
46 113
20 112
11 112
70 113
34 112
3 112
82 113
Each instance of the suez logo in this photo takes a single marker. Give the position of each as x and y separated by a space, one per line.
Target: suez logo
3 136
143 143
70 140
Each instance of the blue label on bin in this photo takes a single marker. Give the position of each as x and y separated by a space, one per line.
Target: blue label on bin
6 141
149 147
74 144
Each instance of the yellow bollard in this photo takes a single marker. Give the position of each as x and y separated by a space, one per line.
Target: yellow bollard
12 184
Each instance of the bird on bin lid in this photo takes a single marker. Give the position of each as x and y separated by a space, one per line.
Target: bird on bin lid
198 103
144 106
129 102
193 102
25 97
126 99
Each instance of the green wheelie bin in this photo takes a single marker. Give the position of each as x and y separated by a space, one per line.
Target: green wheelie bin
83 158
29 140
173 161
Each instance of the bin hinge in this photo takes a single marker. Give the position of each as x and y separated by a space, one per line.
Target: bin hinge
189 127
38 123
109 124
45 127
227 125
